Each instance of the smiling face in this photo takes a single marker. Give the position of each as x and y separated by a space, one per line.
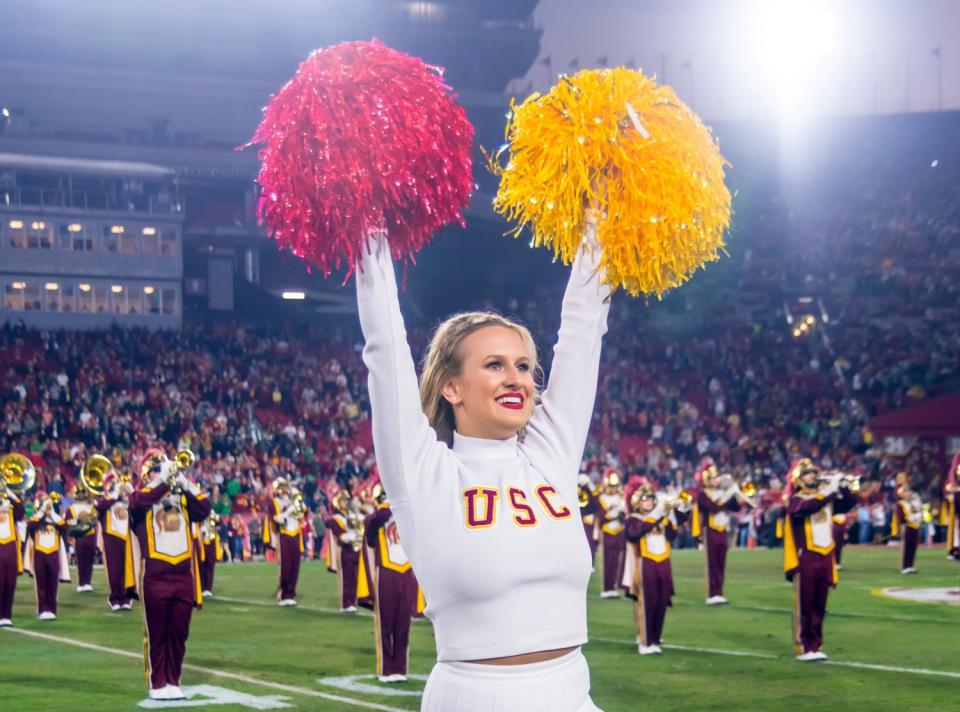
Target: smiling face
493 395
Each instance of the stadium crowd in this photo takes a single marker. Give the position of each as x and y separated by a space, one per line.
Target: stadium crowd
871 261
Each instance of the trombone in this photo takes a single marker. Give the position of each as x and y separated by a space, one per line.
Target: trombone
847 481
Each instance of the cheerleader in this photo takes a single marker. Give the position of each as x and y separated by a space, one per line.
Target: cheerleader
481 474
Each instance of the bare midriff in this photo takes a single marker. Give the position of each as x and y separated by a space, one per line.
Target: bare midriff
526 658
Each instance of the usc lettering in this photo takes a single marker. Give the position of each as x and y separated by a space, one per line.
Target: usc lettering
523 512
544 492
480 506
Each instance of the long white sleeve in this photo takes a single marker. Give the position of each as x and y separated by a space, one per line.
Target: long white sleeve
406 446
560 424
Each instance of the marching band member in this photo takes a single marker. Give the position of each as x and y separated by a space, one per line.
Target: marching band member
839 537
283 532
808 551
113 509
46 555
82 520
210 552
612 541
395 592
345 538
650 527
481 474
168 580
11 552
951 506
715 499
589 509
907 518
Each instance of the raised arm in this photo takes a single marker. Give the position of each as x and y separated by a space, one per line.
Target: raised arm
560 423
406 446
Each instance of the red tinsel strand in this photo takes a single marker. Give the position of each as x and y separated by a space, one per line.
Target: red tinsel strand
362 138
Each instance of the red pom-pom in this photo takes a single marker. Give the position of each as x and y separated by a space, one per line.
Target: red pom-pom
363 138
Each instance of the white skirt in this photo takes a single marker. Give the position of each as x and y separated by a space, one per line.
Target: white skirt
560 685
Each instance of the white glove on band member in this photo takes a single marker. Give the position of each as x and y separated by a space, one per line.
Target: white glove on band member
348 538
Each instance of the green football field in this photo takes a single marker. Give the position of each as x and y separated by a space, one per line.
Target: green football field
886 654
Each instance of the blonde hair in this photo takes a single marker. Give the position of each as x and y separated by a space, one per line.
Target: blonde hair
443 361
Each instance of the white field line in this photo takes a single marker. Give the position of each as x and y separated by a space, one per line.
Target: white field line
293 689
253 602
768 656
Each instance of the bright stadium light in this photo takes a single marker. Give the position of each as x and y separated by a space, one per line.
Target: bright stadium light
792 39
294 295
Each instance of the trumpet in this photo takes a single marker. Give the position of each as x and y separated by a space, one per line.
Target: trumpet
847 481
681 502
299 506
746 493
184 460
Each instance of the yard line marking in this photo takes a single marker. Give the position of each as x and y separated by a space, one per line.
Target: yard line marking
768 656
834 613
694 649
315 609
306 691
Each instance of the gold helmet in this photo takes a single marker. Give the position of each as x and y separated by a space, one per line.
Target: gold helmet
802 467
612 481
378 494
281 485
641 493
341 501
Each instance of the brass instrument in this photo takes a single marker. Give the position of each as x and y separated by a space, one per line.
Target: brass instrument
93 473
185 459
299 506
848 481
682 502
355 524
208 528
84 522
746 493
17 474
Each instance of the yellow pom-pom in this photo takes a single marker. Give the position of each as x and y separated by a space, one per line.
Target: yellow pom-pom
614 140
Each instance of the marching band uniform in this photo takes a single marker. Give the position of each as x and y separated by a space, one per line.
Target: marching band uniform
907 518
395 593
11 554
951 506
839 537
648 575
613 544
808 555
589 509
345 538
113 509
167 576
715 503
490 526
210 552
46 557
284 533
81 514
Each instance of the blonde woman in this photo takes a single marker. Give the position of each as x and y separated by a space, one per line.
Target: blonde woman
481 472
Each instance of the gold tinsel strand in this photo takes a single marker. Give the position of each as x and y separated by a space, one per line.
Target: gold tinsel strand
657 184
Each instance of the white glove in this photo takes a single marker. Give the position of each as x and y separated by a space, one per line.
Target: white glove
4 504
348 538
127 487
657 512
288 512
167 468
832 487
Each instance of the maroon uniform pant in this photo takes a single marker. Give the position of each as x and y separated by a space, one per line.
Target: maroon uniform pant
715 545
614 546
289 566
115 563
8 578
86 548
393 609
208 565
839 539
347 571
656 592
588 530
167 606
46 580
908 547
811 585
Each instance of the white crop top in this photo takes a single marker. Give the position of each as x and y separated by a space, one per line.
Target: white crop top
492 527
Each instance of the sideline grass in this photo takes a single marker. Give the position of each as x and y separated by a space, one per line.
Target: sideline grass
250 636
